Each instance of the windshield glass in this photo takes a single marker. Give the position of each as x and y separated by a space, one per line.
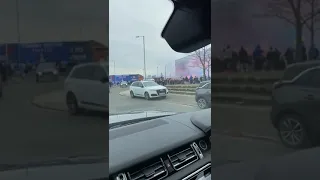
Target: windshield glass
43 66
150 83
179 73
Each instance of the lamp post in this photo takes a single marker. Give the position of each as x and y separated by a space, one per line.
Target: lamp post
144 55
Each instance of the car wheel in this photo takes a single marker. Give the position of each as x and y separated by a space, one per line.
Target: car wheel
72 104
202 103
146 96
131 94
292 132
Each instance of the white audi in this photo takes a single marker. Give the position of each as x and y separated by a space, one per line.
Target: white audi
148 90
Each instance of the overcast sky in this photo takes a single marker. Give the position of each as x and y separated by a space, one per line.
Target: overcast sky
129 19
58 20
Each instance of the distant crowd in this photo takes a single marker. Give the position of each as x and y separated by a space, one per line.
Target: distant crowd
259 60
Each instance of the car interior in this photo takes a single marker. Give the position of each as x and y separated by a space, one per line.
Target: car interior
172 147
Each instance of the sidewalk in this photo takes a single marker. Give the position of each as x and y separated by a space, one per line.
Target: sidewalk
53 101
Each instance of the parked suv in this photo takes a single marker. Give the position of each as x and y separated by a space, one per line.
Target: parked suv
87 87
203 95
295 105
148 90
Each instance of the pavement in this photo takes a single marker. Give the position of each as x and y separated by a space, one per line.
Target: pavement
29 133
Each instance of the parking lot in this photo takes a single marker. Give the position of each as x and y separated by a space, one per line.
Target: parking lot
30 133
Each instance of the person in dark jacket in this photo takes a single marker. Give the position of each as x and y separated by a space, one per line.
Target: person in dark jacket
244 59
4 73
258 58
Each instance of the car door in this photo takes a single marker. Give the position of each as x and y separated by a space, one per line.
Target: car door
85 83
77 83
139 89
99 87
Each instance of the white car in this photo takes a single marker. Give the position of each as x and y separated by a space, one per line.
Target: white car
47 70
124 84
87 88
148 90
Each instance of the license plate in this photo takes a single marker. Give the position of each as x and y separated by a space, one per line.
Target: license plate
162 94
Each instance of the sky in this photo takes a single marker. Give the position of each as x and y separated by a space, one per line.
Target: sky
59 20
129 19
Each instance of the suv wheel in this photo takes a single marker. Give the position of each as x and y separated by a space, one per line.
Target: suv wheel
202 103
292 132
131 94
72 104
146 96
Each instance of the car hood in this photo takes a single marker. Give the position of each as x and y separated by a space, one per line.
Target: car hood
137 115
156 87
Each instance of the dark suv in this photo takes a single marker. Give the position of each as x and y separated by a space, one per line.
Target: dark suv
203 95
296 105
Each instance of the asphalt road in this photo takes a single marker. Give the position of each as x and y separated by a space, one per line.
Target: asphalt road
28 133
173 103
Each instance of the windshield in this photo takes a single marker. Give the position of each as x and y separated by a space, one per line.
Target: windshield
150 83
37 118
173 79
43 66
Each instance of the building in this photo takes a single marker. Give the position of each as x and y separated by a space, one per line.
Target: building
68 52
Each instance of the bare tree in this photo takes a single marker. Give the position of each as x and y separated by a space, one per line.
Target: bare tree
201 60
294 12
314 19
208 63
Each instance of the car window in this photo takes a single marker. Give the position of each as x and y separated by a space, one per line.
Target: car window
305 79
84 72
150 83
292 72
99 73
139 84
134 84
202 83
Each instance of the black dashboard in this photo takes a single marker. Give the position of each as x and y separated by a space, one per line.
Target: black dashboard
172 147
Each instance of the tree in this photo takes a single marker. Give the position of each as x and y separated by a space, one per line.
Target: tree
201 60
294 12
208 64
314 19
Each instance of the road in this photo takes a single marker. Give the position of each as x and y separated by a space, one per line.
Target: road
28 133
174 103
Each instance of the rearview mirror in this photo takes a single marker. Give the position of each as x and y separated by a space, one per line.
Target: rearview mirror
189 26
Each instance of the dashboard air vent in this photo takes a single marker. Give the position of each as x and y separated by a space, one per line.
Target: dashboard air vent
183 157
155 171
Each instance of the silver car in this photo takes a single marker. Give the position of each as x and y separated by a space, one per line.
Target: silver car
47 70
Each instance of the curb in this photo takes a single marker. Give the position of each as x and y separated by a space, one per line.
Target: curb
239 134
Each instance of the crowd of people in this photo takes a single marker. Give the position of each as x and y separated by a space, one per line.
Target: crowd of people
259 59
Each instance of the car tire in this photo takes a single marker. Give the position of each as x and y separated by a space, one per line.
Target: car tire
291 126
72 104
146 96
202 103
132 94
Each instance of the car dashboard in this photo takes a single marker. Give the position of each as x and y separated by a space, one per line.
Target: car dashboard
167 148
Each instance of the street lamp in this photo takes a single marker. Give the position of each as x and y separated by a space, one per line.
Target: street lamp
144 56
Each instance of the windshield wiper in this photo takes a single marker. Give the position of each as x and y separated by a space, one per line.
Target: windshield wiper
56 162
